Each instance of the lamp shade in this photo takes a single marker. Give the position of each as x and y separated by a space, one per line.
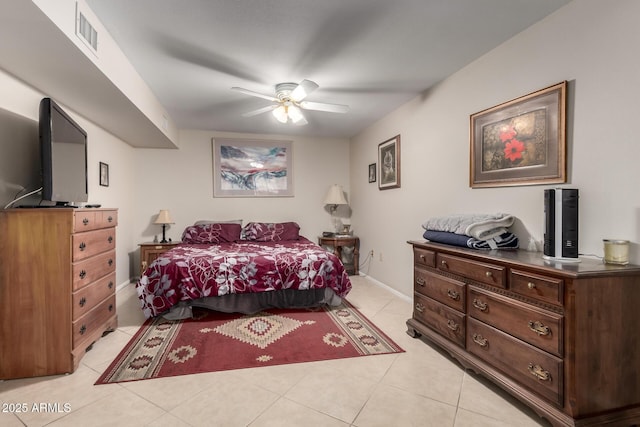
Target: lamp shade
164 218
335 196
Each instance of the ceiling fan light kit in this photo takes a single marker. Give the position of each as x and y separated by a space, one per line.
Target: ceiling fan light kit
289 102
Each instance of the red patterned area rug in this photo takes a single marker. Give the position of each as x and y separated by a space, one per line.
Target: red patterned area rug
219 341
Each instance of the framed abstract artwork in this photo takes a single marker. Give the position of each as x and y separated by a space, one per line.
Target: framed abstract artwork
389 161
520 142
252 168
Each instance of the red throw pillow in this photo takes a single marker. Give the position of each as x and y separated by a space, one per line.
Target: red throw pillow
271 231
212 233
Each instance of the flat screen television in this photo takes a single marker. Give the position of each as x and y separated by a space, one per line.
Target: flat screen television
63 146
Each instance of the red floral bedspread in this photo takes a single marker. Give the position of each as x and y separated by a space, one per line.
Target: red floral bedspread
188 272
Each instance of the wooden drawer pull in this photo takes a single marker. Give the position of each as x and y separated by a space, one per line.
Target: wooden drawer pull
82 246
82 301
420 281
480 340
539 373
539 328
482 306
531 285
453 294
420 308
452 325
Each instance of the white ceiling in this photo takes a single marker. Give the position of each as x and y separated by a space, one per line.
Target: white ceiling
373 55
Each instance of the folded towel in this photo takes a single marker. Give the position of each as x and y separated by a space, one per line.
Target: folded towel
479 226
504 241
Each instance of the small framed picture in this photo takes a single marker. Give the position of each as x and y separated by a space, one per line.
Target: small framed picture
389 159
372 172
104 174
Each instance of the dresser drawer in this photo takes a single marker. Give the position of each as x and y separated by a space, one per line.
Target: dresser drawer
84 220
89 270
443 289
93 321
446 321
107 218
490 274
423 257
90 296
534 325
91 243
541 288
532 367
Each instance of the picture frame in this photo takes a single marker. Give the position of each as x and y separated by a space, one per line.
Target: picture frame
252 168
520 142
389 160
104 174
372 173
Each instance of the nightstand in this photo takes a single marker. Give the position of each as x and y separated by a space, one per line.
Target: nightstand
151 250
347 248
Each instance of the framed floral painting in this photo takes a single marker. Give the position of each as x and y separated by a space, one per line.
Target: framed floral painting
520 142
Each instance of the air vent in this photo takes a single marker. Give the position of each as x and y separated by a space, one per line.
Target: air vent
86 32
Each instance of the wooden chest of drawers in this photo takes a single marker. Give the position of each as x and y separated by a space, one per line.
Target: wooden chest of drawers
559 337
57 287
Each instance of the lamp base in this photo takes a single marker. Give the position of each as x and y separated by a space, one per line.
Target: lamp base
164 237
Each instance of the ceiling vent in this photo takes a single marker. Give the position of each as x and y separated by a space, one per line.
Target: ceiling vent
85 31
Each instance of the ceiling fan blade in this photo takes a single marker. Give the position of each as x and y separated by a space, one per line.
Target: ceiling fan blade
252 93
260 110
303 89
321 106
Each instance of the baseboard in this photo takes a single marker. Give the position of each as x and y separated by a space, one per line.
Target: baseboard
388 288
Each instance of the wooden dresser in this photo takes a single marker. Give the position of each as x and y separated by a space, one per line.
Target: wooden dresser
57 287
562 338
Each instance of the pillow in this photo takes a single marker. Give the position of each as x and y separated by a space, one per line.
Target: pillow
271 231
207 221
212 233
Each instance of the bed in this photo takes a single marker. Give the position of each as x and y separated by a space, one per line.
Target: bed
224 267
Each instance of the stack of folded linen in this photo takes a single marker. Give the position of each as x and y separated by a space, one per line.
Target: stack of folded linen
476 231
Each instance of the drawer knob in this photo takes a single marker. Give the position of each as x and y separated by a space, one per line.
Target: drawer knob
85 221
531 285
482 306
452 325
488 274
110 285
110 262
420 281
420 308
83 274
421 257
453 294
110 239
480 340
538 372
82 301
82 246
110 307
539 328
83 329
443 263
110 219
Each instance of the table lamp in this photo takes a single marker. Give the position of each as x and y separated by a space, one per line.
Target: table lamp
164 218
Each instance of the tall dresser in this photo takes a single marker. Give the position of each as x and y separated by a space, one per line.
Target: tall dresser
57 287
562 338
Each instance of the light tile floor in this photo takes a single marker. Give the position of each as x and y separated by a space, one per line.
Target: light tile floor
421 387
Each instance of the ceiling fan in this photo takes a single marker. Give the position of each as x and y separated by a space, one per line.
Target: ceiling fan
289 102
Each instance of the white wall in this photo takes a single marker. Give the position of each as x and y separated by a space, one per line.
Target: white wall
590 44
182 182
